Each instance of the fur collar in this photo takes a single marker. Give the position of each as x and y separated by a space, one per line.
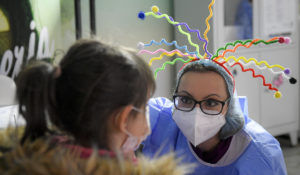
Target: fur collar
38 158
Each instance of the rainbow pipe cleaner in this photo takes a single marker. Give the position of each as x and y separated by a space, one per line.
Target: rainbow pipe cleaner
186 56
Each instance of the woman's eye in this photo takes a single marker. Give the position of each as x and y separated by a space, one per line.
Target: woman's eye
211 103
186 100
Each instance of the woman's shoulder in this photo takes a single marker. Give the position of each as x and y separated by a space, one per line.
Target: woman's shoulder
264 150
258 134
164 129
264 143
161 104
160 110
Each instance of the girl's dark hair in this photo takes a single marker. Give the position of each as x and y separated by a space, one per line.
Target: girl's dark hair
96 81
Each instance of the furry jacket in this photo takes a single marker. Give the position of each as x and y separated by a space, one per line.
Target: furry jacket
38 158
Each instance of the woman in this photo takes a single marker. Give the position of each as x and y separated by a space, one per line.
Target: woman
205 126
96 101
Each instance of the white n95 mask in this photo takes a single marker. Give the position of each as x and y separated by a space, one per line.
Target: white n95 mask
197 126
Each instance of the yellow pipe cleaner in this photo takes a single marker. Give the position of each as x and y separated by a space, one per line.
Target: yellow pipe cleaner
207 24
254 60
180 30
167 54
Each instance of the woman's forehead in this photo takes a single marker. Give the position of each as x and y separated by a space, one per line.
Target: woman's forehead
202 84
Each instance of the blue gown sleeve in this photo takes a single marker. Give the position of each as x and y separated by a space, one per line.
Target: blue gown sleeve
269 159
244 107
164 131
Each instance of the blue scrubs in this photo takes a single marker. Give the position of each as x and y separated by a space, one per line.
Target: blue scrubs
261 153
244 18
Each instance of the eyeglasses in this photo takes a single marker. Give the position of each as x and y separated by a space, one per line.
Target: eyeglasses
208 106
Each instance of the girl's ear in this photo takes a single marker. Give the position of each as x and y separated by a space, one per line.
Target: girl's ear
121 121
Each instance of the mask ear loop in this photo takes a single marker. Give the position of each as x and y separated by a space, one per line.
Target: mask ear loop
116 118
137 109
146 116
136 140
126 129
130 137
146 112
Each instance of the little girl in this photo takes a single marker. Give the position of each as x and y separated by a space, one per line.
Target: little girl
95 98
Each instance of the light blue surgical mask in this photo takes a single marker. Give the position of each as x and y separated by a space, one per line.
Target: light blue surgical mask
132 142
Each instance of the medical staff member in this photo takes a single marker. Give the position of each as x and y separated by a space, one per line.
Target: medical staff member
205 126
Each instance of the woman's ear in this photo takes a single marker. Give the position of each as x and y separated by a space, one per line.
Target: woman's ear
121 121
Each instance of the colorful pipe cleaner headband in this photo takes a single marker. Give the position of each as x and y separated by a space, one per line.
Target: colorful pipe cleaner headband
217 57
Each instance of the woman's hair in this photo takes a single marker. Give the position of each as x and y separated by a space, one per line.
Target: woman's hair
234 117
92 83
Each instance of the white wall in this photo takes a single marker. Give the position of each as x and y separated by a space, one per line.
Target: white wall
298 49
117 23
47 13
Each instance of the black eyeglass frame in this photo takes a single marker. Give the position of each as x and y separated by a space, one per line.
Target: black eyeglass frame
199 102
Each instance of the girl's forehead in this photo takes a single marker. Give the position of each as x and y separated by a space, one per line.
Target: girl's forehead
201 84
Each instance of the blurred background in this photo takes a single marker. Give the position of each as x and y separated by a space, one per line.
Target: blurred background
36 29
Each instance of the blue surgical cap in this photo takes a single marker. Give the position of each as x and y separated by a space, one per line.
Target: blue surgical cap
234 117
